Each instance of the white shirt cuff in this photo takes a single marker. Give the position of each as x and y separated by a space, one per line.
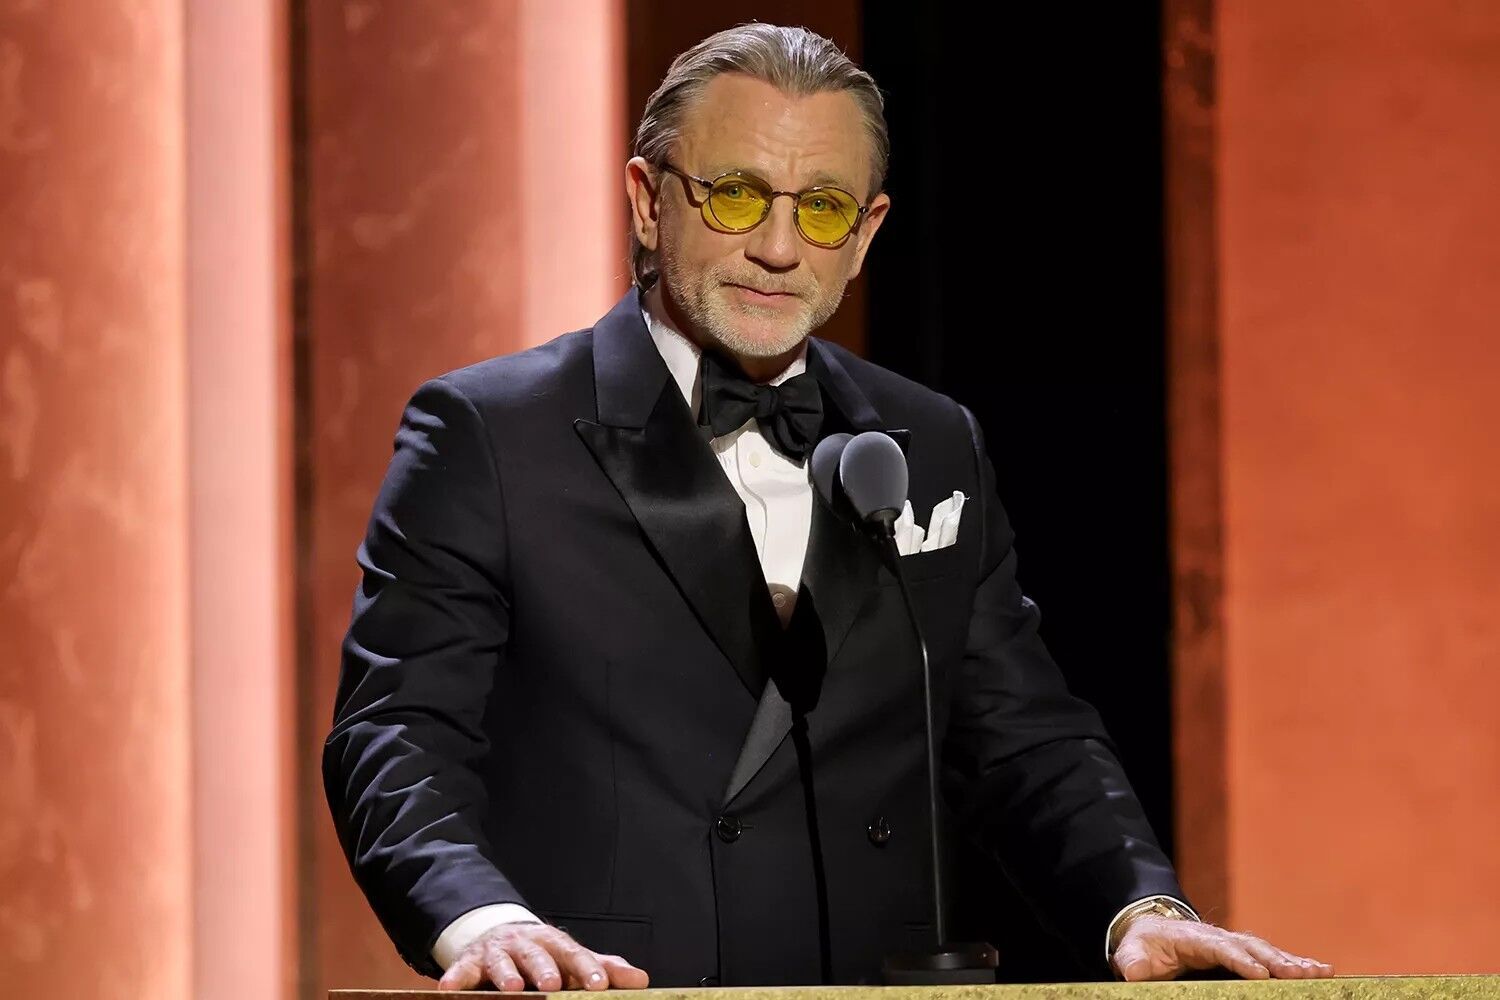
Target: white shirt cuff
1109 932
466 929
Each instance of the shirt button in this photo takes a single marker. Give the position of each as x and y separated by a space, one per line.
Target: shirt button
778 599
728 828
755 459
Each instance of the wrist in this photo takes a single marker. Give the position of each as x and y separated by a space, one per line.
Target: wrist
474 924
1156 906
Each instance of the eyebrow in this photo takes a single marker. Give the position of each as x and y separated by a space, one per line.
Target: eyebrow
820 179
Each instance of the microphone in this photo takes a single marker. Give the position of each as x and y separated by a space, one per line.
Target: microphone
872 471
825 466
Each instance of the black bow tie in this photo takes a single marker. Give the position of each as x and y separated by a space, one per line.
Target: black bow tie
789 414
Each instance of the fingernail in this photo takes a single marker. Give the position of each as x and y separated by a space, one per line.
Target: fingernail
596 977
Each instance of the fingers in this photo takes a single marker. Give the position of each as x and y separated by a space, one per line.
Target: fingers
1251 957
623 975
536 964
464 974
1154 948
1321 970
1228 952
1283 964
579 966
486 961
1135 965
501 970
516 956
1279 963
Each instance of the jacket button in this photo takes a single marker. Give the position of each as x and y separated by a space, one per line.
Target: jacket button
728 828
879 831
709 981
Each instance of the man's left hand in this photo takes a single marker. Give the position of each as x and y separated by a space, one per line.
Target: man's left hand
1155 947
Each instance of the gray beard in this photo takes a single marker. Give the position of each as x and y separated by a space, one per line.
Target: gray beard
710 314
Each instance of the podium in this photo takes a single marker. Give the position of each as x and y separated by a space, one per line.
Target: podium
1340 988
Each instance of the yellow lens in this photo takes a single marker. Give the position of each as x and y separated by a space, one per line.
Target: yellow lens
737 203
826 215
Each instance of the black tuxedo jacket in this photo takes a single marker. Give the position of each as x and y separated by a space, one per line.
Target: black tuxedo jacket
555 688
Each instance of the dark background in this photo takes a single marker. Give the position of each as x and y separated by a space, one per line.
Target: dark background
1021 272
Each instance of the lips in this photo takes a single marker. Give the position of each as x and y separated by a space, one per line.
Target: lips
759 291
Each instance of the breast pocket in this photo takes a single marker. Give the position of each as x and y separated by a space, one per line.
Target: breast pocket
937 581
920 566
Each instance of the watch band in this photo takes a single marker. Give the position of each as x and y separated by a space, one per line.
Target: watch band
1161 906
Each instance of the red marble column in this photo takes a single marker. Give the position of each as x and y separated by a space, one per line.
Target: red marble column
95 858
1352 219
438 139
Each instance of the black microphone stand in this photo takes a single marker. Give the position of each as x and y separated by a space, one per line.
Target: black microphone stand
948 963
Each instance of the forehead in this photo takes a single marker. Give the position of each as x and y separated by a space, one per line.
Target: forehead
740 122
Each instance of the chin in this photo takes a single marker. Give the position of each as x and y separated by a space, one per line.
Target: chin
758 338
760 333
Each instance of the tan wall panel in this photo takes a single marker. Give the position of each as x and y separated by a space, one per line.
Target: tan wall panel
94 686
1195 445
1361 397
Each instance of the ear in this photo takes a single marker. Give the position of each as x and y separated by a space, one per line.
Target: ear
868 226
640 188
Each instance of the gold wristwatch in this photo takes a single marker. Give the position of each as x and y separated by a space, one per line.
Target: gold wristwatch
1161 906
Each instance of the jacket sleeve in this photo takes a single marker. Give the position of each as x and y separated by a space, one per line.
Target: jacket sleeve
1028 768
428 632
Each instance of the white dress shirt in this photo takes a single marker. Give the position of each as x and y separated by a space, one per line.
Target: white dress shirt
778 497
776 490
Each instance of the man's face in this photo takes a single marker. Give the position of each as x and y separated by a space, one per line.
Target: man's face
757 294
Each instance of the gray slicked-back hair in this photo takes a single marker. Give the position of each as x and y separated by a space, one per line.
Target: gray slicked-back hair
795 61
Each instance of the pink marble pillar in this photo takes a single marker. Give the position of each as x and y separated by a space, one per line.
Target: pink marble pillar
439 139
95 859
240 486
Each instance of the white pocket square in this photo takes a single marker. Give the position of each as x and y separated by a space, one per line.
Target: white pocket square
941 530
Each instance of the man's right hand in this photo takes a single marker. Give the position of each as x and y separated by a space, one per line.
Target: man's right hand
521 956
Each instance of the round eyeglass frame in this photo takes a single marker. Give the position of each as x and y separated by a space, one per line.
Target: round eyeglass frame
705 207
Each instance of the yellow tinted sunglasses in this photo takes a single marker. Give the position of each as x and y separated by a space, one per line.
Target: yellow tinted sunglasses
737 202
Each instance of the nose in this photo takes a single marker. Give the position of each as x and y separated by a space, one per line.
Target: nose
775 243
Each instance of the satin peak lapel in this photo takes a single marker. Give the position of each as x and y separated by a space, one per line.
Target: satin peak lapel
667 475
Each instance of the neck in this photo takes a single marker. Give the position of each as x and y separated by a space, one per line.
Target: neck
756 369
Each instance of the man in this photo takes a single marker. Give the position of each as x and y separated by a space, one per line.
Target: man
622 698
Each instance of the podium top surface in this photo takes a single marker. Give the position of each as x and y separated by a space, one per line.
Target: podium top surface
1342 988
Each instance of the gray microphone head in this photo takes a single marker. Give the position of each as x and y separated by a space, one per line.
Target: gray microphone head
873 473
825 463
